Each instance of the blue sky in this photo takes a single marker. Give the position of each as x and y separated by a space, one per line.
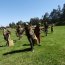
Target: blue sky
15 10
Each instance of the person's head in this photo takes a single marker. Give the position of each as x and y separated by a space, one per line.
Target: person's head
19 26
26 25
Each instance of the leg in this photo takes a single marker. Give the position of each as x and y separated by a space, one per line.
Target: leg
38 37
31 42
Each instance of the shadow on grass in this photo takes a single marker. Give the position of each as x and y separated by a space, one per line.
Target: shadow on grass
49 33
42 36
3 46
18 51
26 44
15 41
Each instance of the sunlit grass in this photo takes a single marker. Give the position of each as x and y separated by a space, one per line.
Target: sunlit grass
51 51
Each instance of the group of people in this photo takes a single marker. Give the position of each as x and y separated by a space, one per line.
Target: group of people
32 33
46 26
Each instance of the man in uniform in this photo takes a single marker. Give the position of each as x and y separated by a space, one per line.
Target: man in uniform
46 27
6 34
37 32
19 31
29 34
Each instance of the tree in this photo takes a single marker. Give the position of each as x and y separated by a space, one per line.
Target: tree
45 18
34 21
55 15
63 15
12 25
19 23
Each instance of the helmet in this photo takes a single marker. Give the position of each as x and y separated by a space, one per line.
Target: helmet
26 23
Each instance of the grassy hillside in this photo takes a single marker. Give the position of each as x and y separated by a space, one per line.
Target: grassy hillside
51 51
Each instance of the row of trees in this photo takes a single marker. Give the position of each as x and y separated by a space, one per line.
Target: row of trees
57 16
13 25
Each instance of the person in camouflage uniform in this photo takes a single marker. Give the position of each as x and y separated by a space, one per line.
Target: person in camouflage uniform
51 28
37 32
6 34
29 33
19 31
46 28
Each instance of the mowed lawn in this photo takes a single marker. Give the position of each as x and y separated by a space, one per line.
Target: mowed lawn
51 51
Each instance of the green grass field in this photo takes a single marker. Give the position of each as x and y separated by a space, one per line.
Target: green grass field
51 51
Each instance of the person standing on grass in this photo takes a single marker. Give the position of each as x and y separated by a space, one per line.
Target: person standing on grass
29 34
6 34
46 28
19 31
51 28
37 32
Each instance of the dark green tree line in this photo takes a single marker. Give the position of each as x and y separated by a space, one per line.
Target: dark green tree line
57 16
